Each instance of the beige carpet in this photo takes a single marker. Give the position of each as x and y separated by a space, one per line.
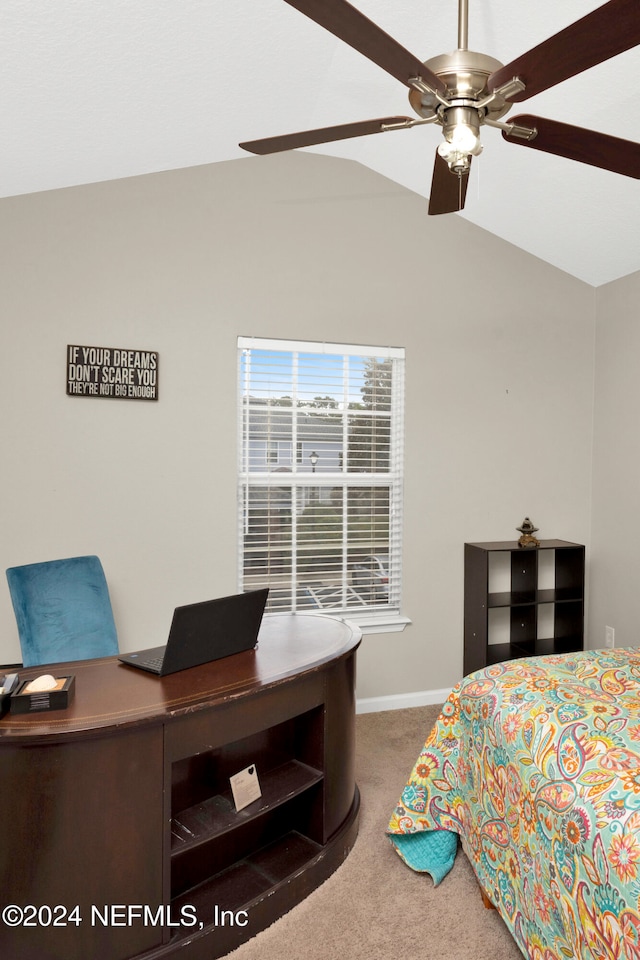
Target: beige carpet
374 907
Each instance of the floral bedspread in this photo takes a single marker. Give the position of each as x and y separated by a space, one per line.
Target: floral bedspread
535 765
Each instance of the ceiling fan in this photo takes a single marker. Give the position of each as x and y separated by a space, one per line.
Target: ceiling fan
463 91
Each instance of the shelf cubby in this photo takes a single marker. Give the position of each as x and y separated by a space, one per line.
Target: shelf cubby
211 839
217 814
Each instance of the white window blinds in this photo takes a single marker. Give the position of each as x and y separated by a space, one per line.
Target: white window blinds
320 475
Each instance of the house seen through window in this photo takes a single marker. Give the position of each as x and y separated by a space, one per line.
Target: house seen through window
320 475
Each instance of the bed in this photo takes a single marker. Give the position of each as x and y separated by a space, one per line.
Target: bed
534 767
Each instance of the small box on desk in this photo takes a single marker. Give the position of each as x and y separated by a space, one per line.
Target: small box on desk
8 683
57 698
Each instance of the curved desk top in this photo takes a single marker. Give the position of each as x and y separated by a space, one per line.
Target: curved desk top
110 694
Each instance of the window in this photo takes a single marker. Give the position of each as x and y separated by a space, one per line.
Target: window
321 522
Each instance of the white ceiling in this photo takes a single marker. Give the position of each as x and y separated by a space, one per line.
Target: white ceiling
95 90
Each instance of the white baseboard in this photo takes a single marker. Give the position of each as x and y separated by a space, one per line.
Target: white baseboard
399 701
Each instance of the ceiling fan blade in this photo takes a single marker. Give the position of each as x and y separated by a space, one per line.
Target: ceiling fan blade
351 26
448 190
576 143
602 34
308 138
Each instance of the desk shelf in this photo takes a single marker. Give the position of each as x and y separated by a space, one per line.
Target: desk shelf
269 881
247 880
209 837
215 816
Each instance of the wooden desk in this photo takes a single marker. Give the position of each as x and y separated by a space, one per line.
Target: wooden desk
120 805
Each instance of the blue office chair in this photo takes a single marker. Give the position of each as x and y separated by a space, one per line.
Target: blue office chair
63 610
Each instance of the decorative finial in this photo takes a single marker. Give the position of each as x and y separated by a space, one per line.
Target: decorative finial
527 530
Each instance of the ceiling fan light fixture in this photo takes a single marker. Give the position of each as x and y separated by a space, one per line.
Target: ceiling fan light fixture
462 139
461 127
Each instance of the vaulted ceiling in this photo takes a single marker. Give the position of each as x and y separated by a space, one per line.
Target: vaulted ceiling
95 90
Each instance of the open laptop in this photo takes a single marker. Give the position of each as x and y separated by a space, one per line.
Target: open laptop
201 632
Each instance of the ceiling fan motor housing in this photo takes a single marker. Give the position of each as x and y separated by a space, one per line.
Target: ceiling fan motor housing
465 74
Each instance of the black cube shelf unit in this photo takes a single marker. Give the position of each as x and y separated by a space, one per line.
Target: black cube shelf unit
544 594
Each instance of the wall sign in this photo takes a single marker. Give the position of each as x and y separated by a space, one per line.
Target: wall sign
112 372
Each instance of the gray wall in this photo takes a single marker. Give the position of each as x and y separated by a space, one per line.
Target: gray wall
614 593
500 358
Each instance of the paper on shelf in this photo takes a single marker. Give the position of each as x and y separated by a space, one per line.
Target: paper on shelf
245 787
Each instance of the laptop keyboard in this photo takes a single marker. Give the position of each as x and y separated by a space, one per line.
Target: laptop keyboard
154 662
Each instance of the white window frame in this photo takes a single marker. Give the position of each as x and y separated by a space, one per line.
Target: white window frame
386 617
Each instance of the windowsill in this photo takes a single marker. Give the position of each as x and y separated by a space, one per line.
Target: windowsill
367 623
382 623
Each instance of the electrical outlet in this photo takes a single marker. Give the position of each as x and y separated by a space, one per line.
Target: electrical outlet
609 637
